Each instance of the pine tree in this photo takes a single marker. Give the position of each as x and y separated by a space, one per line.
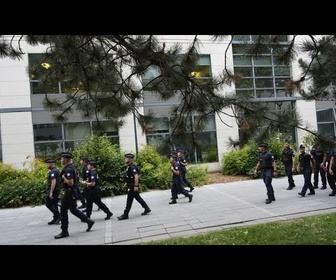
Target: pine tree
101 77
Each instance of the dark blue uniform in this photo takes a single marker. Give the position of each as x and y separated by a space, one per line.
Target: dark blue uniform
266 160
85 176
79 195
95 195
52 203
305 161
131 171
183 172
176 187
318 156
68 201
330 178
287 159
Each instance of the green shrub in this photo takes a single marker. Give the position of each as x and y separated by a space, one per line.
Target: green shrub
110 163
18 193
243 161
28 186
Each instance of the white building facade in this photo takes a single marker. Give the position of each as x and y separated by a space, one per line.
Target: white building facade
24 123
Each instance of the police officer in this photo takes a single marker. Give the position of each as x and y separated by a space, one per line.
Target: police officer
332 167
326 165
53 190
288 159
68 202
306 166
318 156
84 174
176 187
183 170
267 164
94 192
132 184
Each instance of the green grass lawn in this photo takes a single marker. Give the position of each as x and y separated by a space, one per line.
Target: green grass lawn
314 230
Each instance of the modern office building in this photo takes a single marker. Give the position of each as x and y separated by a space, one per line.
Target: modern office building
27 130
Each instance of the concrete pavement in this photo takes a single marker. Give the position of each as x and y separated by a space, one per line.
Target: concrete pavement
214 207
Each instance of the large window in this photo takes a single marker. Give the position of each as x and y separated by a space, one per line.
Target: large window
201 72
199 143
51 139
326 122
262 77
38 66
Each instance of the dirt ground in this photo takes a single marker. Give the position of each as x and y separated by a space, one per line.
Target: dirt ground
214 178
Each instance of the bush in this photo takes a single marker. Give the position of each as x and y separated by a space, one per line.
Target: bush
28 186
244 160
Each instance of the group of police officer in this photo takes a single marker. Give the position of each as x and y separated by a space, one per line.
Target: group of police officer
318 163
67 181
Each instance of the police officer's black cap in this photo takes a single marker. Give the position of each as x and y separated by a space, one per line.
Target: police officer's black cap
287 141
85 158
263 145
302 147
50 160
93 163
129 155
180 151
66 155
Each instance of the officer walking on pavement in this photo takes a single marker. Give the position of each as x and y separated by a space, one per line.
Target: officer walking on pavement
176 187
53 190
288 159
318 156
327 165
84 175
94 192
132 184
183 170
68 202
306 166
267 164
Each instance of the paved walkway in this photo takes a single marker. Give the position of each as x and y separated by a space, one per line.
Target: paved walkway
214 207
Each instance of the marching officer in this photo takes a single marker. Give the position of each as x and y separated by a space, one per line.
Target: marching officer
318 155
94 193
176 187
288 159
306 165
332 168
326 166
267 164
132 184
183 170
84 174
53 190
68 202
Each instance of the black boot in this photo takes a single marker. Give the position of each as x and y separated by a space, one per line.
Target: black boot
90 224
109 215
54 221
64 233
268 200
173 201
333 193
272 197
123 216
147 210
302 193
190 197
